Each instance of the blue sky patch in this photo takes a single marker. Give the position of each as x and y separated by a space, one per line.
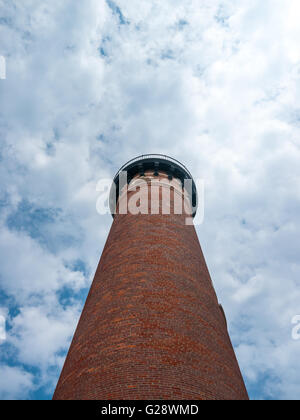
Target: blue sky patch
117 12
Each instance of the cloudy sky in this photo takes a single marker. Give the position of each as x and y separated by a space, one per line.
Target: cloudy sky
90 84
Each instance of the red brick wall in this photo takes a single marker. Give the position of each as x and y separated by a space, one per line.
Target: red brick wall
151 327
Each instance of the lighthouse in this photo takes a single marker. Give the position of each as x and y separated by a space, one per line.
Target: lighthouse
152 327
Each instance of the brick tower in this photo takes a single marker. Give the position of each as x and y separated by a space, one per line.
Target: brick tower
152 327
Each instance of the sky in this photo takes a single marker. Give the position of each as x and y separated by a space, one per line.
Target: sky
90 85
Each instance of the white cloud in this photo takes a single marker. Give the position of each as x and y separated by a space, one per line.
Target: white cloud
40 335
27 270
14 383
